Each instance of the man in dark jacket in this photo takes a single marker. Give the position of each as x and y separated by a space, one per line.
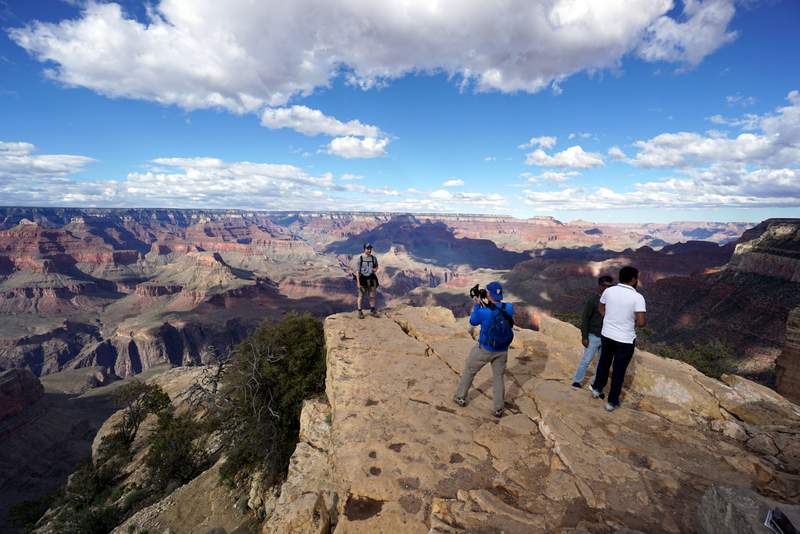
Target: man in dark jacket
591 326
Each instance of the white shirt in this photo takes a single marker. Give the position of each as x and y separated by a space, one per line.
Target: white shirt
619 322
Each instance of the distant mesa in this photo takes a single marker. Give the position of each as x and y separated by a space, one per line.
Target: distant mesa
431 242
593 231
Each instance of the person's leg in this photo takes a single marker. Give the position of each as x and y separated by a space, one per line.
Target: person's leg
373 298
588 355
360 296
624 354
475 361
603 366
498 382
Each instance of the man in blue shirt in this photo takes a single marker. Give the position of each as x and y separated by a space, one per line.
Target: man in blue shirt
495 318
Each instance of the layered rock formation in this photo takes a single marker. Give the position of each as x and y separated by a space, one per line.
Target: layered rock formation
772 248
396 455
19 388
787 367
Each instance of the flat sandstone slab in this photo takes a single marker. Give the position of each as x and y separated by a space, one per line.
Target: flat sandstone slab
405 458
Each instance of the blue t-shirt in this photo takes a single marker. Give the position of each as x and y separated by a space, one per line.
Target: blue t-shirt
481 316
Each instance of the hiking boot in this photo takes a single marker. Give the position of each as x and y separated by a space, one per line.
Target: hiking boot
611 407
461 401
373 312
598 394
498 413
576 385
360 314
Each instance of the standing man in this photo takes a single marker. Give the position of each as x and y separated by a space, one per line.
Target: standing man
623 309
496 320
365 266
591 326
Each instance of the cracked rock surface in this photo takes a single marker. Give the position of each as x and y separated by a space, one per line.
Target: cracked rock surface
397 455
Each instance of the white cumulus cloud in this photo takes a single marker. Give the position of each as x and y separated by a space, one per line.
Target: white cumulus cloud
703 31
313 122
545 141
354 147
453 182
616 152
573 157
550 176
18 161
774 141
243 55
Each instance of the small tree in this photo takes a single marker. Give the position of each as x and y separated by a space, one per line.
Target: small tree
139 400
173 454
271 373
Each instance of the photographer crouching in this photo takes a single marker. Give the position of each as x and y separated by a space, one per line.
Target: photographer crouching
495 318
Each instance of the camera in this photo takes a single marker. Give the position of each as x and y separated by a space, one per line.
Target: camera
477 291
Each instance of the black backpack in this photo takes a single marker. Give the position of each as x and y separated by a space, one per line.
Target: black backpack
500 332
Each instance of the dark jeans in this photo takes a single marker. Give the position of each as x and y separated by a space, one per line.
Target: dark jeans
619 355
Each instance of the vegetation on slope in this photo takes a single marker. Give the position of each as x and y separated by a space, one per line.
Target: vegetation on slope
249 402
270 376
712 358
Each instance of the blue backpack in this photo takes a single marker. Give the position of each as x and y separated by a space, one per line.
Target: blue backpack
500 333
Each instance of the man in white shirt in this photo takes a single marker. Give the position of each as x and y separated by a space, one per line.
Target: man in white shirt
623 309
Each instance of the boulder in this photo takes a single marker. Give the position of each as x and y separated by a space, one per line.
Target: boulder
738 509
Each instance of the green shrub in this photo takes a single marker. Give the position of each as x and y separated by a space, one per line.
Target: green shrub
100 520
272 372
173 455
25 514
712 358
138 400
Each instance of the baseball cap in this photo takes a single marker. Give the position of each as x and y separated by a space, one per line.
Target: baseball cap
367 245
495 290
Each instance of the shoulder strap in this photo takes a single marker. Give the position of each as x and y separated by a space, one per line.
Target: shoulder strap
505 314
360 262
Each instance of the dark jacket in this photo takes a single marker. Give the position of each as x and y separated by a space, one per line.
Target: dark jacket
591 320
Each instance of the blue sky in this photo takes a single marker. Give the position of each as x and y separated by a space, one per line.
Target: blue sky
638 111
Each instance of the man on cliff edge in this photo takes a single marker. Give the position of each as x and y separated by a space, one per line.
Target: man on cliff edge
365 267
495 318
623 309
591 326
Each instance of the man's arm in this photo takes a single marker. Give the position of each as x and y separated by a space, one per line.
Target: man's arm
374 264
476 317
640 310
601 308
586 316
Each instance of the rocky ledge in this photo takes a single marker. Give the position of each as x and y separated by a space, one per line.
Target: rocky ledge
388 451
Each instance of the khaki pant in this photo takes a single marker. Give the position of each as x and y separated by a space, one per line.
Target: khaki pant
478 357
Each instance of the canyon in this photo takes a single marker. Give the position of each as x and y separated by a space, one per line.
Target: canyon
386 450
128 289
92 296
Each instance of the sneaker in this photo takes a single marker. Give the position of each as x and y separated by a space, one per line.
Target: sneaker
498 413
461 401
576 385
598 394
360 314
373 312
611 407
